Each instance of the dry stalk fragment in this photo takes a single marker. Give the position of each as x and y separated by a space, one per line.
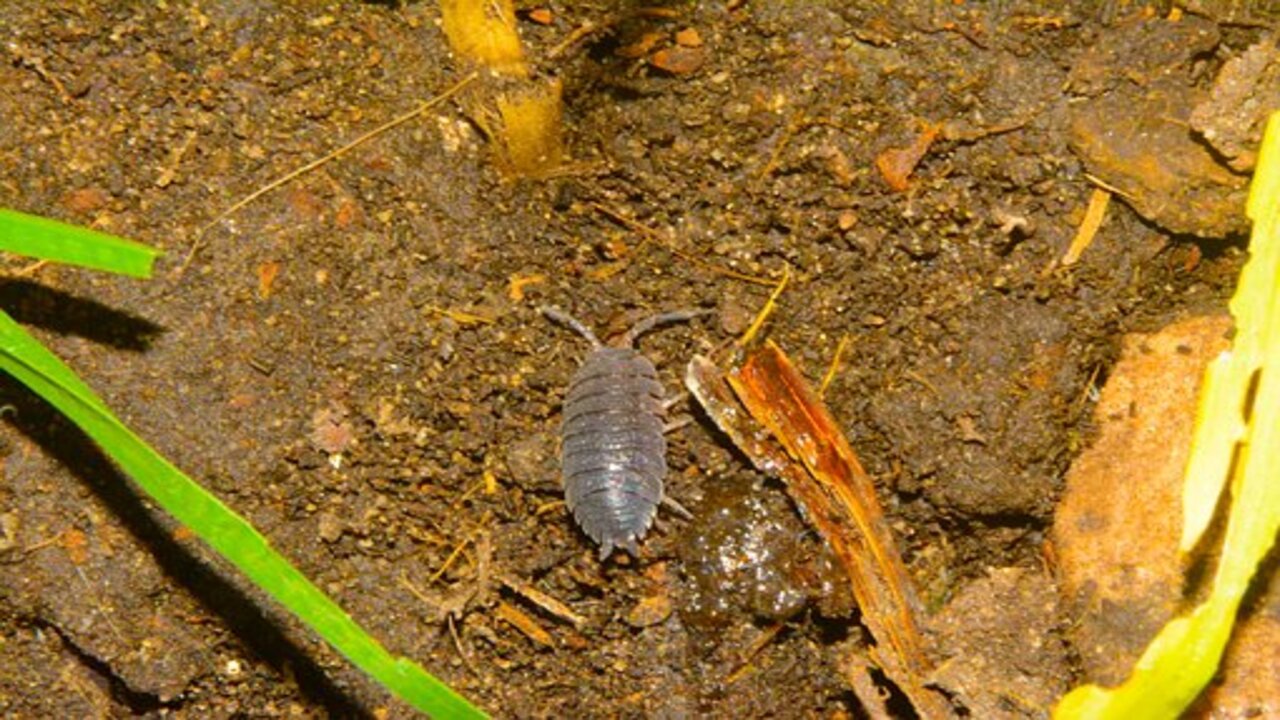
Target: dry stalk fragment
525 624
520 113
787 432
484 32
1093 216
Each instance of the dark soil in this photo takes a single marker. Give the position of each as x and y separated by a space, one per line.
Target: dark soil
345 362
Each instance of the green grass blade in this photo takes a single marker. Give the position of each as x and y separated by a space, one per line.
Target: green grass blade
233 537
57 241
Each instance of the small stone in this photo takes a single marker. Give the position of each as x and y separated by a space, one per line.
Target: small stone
330 527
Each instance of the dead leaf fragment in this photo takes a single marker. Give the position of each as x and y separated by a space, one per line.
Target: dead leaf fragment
787 432
679 60
1088 229
897 164
689 38
541 15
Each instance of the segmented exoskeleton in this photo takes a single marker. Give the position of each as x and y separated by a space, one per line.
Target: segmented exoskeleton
613 453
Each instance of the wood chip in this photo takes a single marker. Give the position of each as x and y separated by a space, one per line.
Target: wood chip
544 601
525 624
639 48
787 432
1093 216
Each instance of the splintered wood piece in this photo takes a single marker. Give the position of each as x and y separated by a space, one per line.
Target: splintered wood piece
777 396
787 432
525 624
543 600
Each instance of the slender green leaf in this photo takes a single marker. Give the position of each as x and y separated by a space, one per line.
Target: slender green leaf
52 240
230 535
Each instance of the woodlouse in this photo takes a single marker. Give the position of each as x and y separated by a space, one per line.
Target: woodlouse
613 456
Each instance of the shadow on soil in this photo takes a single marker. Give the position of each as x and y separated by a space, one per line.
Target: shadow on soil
237 611
31 303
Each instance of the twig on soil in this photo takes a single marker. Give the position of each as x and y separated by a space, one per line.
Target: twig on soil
457 644
834 367
1090 391
577 34
447 562
549 507
656 237
787 432
460 316
1108 187
745 662
518 619
917 377
454 604
767 310
486 484
30 269
543 600
794 125
957 134
1097 210
422 108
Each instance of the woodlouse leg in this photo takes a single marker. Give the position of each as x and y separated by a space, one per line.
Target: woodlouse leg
676 507
676 424
557 315
673 401
649 323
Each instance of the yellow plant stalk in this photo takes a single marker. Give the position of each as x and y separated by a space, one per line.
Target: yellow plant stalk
484 32
520 114
1236 445
530 129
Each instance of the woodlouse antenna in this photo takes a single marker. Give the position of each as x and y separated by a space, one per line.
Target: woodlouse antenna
649 323
555 314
